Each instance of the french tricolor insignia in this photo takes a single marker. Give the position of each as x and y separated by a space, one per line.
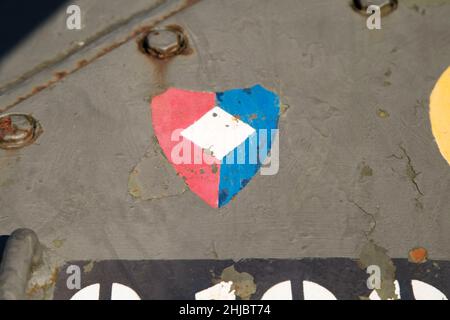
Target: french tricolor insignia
216 141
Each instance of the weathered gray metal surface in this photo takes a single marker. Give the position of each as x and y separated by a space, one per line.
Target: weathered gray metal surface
347 171
22 251
52 41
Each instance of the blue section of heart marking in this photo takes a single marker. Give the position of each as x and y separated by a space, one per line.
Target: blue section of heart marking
259 108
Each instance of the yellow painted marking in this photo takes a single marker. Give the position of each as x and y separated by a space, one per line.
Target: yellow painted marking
440 114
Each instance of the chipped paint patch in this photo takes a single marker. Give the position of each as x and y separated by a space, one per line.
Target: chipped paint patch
44 276
244 285
153 178
373 254
58 243
418 255
366 171
88 267
383 114
322 278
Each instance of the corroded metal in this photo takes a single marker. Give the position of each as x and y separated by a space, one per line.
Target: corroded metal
164 42
18 130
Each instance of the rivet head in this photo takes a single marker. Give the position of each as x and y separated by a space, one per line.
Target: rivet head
164 42
386 6
18 130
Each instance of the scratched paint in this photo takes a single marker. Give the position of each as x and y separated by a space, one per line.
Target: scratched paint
232 131
440 114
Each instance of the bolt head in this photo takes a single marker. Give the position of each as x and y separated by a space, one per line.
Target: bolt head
18 130
164 42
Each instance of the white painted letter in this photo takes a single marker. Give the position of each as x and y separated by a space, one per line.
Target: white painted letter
374 280
374 21
74 280
73 21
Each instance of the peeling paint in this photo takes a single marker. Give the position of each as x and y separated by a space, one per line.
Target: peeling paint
146 183
373 254
243 282
418 255
284 108
88 267
44 276
58 243
383 113
366 171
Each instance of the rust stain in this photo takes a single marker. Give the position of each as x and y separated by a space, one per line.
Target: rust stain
191 2
161 63
160 72
236 118
38 89
6 126
418 255
59 75
85 62
16 135
82 63
183 47
44 288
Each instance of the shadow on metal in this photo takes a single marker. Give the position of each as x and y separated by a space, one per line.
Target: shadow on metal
3 240
19 18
